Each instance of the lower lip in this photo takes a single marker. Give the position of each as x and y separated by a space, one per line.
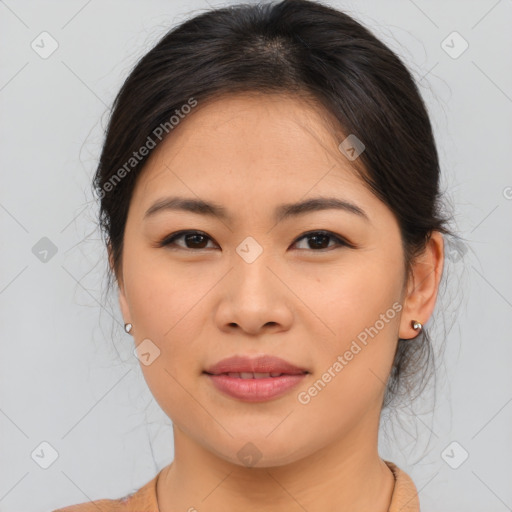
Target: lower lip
255 390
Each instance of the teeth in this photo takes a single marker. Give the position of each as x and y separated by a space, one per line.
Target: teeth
255 375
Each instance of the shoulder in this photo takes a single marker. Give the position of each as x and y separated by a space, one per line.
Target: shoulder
405 494
142 500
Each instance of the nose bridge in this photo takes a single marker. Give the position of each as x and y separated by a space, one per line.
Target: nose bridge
253 297
252 276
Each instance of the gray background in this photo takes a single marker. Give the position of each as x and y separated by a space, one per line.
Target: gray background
67 373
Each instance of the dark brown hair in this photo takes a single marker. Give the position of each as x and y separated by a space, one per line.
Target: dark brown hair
295 47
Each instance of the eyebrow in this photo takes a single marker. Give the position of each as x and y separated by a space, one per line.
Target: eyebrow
281 212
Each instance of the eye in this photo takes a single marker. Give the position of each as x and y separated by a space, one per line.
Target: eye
193 239
319 240
316 240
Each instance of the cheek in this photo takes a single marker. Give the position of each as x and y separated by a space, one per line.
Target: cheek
362 310
164 299
164 304
352 297
162 307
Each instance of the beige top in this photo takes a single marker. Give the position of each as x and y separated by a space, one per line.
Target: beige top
404 498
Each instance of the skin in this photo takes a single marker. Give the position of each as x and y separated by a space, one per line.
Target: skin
202 302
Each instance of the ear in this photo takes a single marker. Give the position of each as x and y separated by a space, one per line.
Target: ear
423 286
123 303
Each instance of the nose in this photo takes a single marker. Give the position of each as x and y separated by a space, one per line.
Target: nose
254 299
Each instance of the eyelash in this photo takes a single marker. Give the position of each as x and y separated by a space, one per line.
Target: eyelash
341 242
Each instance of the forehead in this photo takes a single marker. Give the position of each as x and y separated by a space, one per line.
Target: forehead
257 146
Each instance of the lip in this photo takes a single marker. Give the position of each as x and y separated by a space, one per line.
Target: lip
255 389
259 364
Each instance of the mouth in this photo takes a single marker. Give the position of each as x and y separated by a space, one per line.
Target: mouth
259 367
255 375
255 386
255 379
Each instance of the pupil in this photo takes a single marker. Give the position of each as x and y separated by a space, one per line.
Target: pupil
319 245
195 238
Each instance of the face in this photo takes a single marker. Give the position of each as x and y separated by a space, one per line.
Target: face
321 288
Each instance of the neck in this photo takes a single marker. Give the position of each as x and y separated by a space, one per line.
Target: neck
348 475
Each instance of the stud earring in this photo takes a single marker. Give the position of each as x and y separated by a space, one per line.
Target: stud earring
417 326
128 327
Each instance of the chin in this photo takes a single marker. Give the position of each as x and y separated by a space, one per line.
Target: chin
258 452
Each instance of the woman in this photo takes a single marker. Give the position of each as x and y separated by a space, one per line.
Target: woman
269 190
